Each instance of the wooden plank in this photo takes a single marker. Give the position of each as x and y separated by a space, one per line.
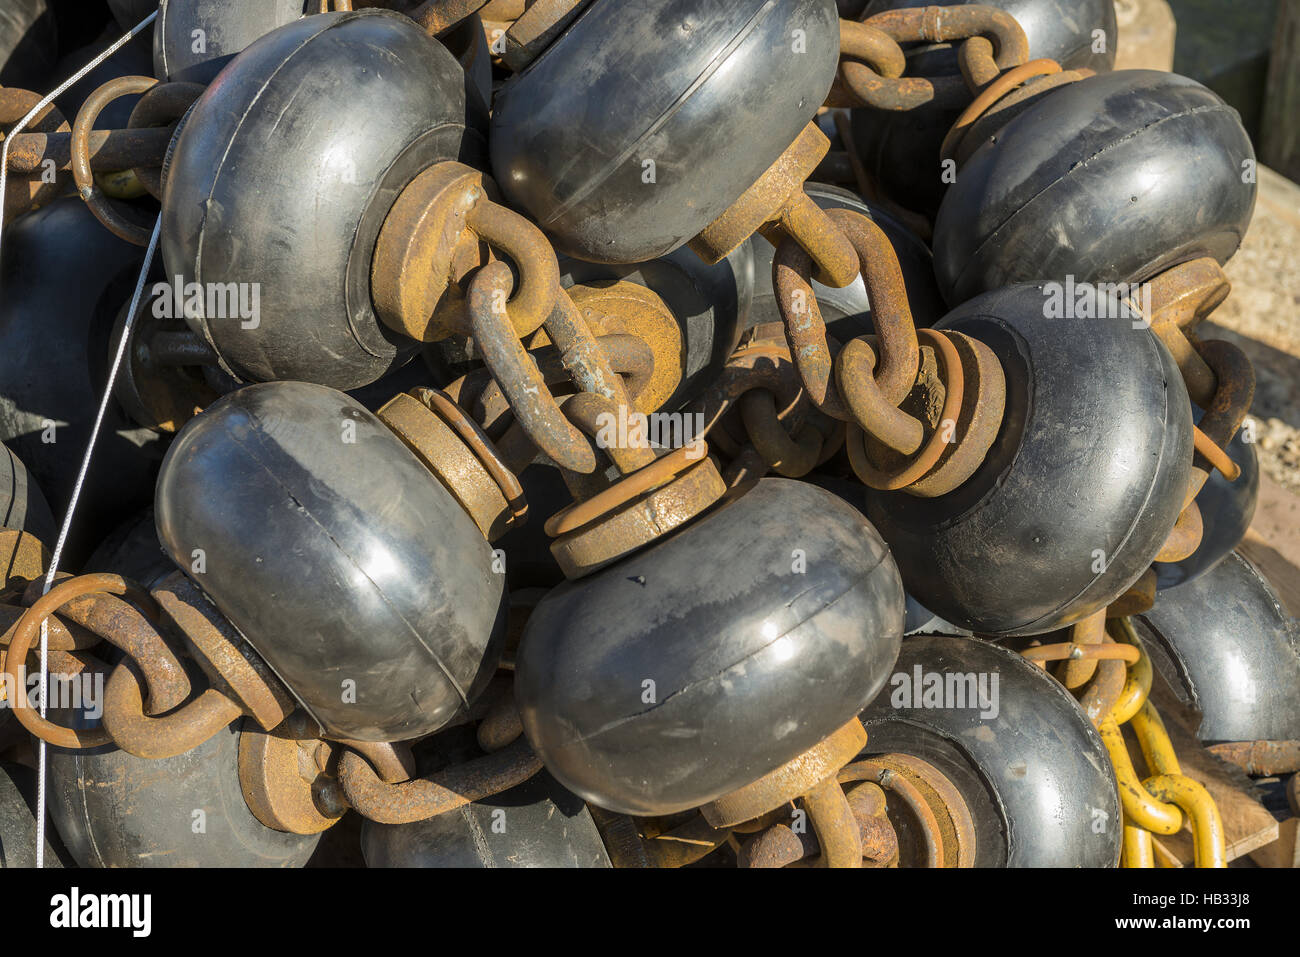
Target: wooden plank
1147 31
1280 125
1285 851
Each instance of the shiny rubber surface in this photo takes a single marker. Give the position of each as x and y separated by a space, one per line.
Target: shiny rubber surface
282 176
1029 764
1226 508
341 559
116 810
1111 179
22 504
1229 648
18 822
751 662
226 27
64 277
1080 489
676 82
537 824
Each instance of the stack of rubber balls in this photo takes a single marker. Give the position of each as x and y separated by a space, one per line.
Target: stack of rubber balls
583 433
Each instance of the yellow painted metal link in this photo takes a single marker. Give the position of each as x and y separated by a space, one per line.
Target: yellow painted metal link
1208 841
1138 685
1157 749
1138 850
1167 782
1156 805
1146 811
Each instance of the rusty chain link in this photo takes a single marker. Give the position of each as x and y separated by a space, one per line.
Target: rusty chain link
880 385
161 105
757 408
873 62
148 708
1219 378
992 55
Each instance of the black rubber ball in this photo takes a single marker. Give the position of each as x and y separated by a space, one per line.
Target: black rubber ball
709 659
1227 509
639 125
281 177
536 824
346 564
116 810
194 39
1111 179
1028 764
1080 489
1229 648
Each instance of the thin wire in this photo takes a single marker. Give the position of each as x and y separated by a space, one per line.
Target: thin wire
103 405
122 343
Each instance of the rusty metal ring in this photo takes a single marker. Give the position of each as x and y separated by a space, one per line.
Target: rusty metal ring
15 667
439 16
501 726
175 733
106 210
517 374
61 635
872 409
933 25
976 62
956 824
990 95
872 46
15 104
950 24
134 627
231 664
507 232
425 797
786 454
911 796
459 421
891 312
932 451
763 364
587 410
805 330
162 105
662 470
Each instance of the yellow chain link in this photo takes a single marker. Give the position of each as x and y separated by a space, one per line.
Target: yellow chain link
1156 805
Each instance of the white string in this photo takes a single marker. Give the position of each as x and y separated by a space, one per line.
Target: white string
127 329
103 405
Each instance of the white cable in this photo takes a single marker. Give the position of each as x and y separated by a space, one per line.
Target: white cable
103 405
127 329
